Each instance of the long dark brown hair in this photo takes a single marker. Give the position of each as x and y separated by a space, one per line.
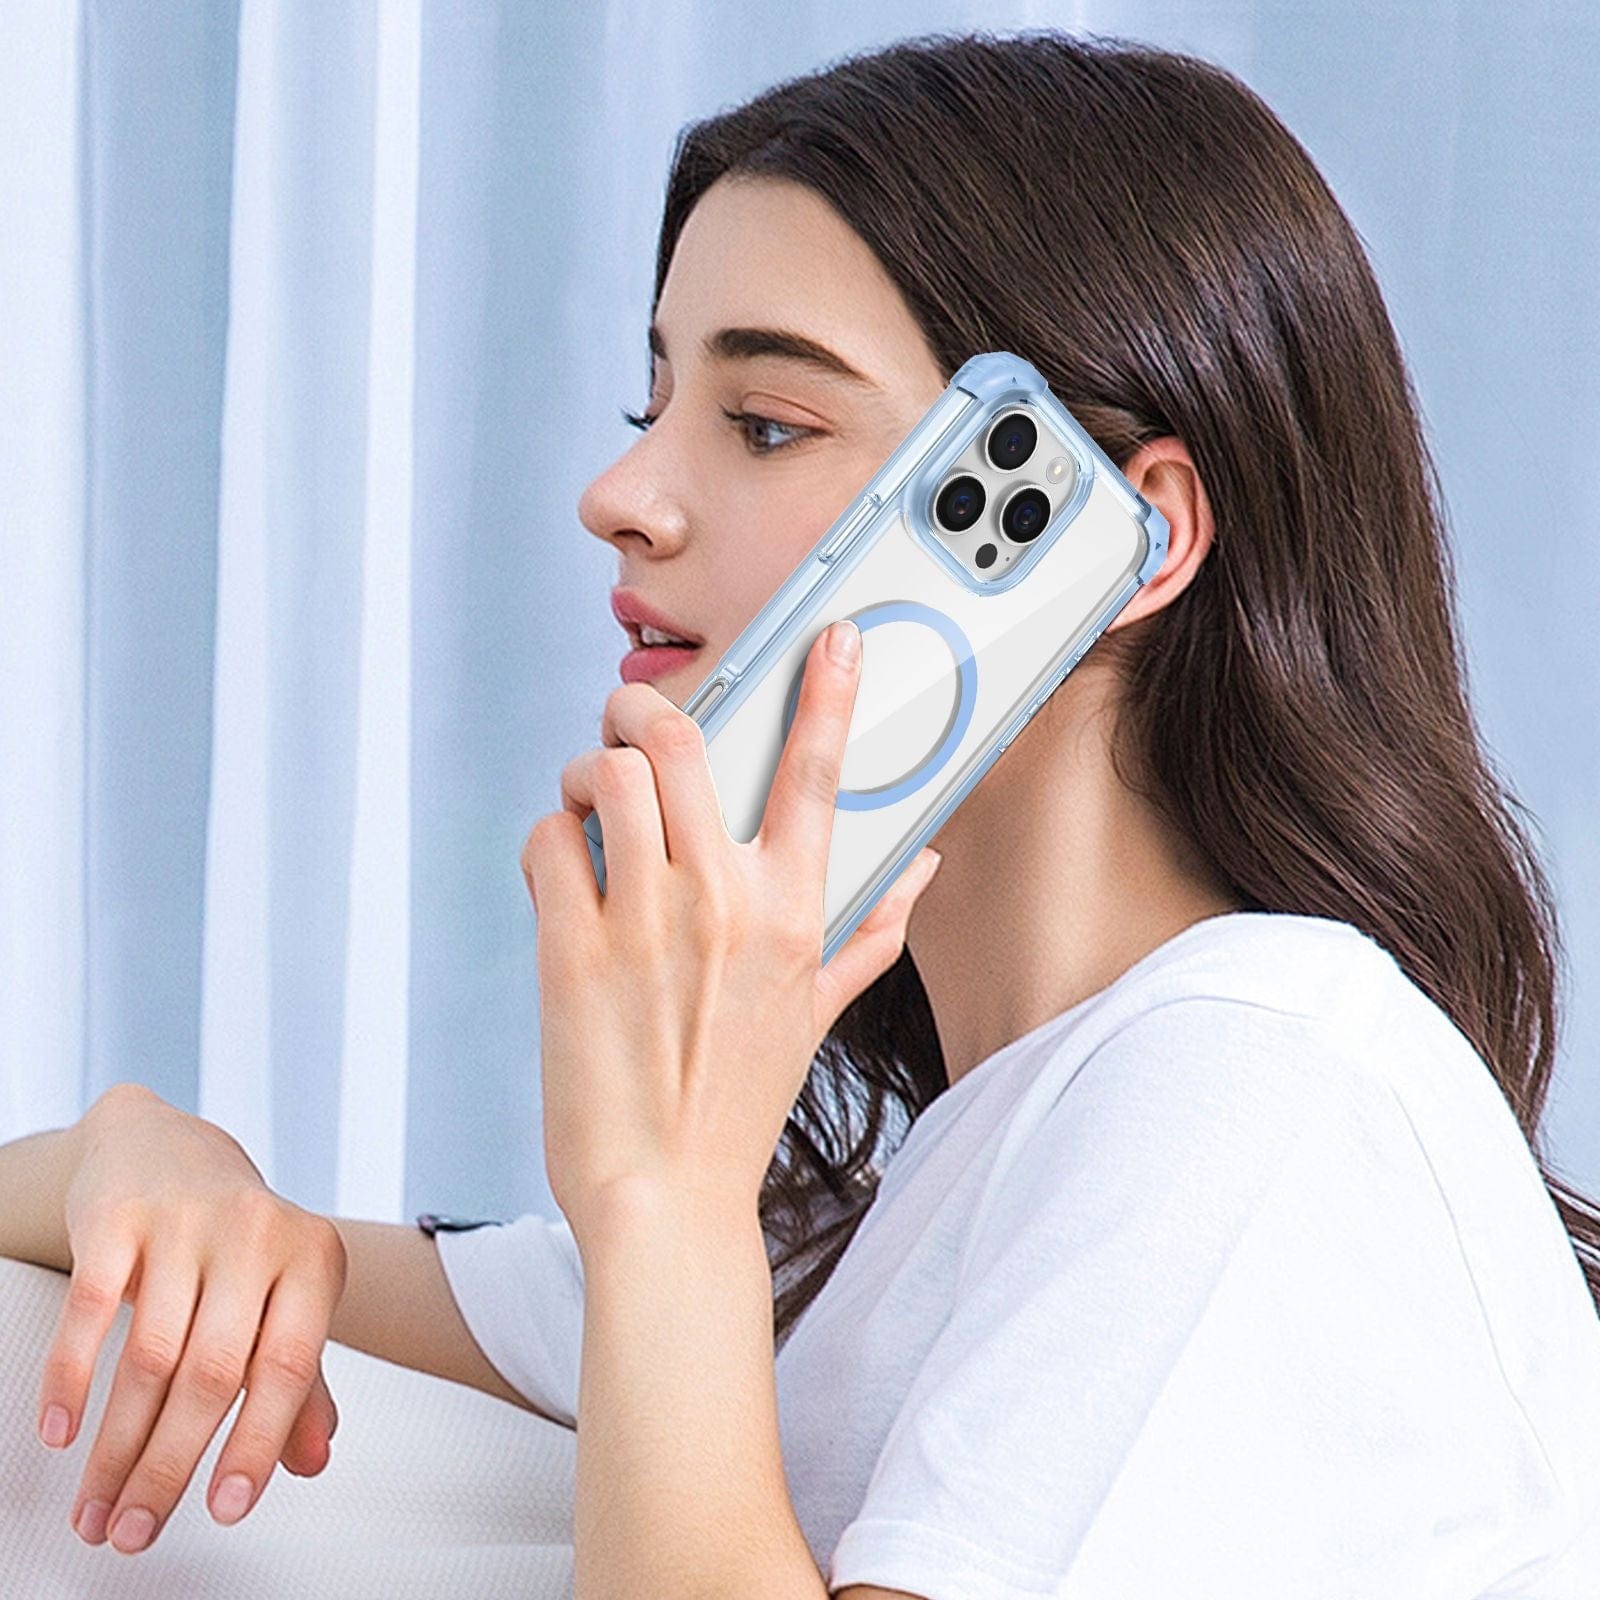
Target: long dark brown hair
1142 226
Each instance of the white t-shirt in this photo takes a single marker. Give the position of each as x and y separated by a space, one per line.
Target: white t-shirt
1236 1279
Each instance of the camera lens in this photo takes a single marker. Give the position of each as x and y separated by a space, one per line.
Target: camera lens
1025 515
960 503
1011 440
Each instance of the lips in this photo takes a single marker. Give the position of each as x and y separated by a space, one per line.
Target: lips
634 613
646 661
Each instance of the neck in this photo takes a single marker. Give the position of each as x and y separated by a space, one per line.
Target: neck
1056 879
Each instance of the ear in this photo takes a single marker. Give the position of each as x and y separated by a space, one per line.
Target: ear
1165 474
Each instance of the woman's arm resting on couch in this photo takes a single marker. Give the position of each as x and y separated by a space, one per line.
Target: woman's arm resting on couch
396 1303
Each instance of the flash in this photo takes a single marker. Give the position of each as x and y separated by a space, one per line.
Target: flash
1058 469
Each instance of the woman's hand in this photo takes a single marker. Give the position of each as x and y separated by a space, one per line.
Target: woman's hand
680 1012
230 1286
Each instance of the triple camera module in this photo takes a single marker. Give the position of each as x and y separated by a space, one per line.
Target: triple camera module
1020 511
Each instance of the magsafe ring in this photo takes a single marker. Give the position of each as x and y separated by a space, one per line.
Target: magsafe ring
950 736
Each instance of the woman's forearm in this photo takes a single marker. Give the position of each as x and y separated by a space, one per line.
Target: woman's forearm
680 1485
34 1173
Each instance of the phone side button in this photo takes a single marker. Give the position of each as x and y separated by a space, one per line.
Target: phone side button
1005 743
714 692
1033 705
858 519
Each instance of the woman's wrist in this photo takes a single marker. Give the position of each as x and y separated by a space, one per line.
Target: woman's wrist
34 1174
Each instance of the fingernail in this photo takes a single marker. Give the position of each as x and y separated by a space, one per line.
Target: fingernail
91 1523
933 865
844 642
232 1498
133 1530
53 1430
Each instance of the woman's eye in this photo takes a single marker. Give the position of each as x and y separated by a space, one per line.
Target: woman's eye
747 421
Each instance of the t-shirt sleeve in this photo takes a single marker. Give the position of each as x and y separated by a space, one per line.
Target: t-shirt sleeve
1211 1336
519 1286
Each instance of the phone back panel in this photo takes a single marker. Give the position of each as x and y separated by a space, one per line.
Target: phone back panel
951 668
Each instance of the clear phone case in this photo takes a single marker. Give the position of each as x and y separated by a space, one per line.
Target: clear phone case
954 662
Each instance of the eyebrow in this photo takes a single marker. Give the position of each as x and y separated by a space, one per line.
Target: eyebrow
742 344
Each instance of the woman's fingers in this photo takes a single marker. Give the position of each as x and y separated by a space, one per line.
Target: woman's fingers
285 1368
231 1286
155 1433
875 945
203 1385
620 785
100 1273
798 818
306 1451
640 716
150 1356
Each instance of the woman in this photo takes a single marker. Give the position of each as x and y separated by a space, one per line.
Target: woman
1217 1256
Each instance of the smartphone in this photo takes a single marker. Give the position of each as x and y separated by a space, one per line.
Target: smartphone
980 562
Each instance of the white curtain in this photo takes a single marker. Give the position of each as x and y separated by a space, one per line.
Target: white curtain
298 625
315 318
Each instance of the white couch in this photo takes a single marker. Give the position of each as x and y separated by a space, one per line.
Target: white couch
433 1489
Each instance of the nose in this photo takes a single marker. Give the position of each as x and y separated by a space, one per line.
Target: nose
632 504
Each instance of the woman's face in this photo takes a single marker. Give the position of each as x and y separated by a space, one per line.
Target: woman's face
787 368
